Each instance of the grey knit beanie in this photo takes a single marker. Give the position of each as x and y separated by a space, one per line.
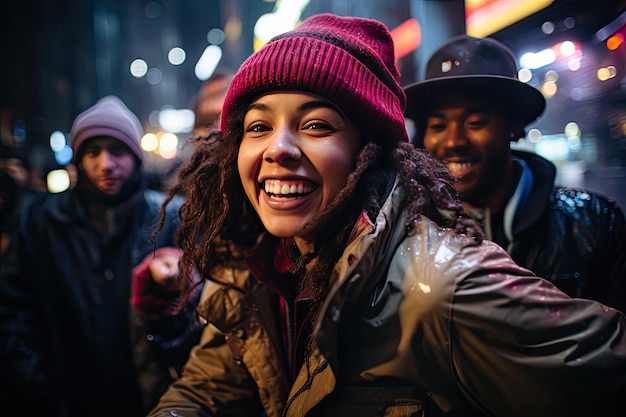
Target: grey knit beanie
111 118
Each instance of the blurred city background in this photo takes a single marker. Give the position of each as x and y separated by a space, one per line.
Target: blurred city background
60 57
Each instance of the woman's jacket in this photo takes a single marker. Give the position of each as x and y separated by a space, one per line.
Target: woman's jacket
56 327
419 322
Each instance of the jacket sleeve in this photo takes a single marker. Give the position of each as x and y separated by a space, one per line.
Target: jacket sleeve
172 333
23 358
213 383
609 286
149 298
521 347
170 327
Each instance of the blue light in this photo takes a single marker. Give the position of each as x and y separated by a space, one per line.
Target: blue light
64 156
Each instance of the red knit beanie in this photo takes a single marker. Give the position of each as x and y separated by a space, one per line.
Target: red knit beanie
348 60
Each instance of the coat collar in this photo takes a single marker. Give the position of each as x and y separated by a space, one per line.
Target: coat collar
544 174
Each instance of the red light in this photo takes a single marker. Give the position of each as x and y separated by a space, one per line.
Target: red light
406 38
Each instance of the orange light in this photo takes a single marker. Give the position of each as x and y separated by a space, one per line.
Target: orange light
614 41
406 38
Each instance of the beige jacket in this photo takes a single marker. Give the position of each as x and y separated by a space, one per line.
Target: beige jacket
444 320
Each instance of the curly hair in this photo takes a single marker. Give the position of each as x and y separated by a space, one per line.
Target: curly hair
217 208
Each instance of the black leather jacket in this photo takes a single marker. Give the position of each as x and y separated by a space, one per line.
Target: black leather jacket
572 237
69 336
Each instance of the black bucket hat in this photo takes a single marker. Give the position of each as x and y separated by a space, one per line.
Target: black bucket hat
482 66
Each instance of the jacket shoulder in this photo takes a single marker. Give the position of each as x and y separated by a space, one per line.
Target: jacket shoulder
156 199
585 205
38 208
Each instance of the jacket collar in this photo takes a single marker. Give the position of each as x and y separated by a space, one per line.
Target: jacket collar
68 207
544 174
362 266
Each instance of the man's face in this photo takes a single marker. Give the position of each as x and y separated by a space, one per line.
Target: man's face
108 163
472 137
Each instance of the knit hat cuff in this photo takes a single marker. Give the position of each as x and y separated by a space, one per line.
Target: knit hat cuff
319 67
95 131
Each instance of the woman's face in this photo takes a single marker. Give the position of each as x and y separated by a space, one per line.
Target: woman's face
295 156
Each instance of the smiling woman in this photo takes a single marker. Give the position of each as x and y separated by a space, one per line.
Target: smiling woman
291 142
342 274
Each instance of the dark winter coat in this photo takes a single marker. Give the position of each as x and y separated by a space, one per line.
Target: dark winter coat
71 342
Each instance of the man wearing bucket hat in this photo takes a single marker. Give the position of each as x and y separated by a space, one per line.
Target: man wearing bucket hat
466 111
72 346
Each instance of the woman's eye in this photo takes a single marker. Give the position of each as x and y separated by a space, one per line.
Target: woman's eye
316 126
257 127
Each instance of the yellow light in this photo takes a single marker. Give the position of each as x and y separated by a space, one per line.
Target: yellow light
486 17
58 180
606 73
149 142
549 89
168 142
232 29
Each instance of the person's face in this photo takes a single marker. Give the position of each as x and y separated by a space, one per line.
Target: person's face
472 137
295 156
108 163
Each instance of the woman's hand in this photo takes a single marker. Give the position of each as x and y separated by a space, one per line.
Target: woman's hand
164 269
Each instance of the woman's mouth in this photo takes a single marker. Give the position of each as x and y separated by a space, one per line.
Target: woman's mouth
288 189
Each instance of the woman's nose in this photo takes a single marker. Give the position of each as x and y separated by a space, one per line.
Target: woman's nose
283 147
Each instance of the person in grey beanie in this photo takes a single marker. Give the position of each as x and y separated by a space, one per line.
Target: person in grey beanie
73 345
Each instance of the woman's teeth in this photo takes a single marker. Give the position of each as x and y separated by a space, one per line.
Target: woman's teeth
278 188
